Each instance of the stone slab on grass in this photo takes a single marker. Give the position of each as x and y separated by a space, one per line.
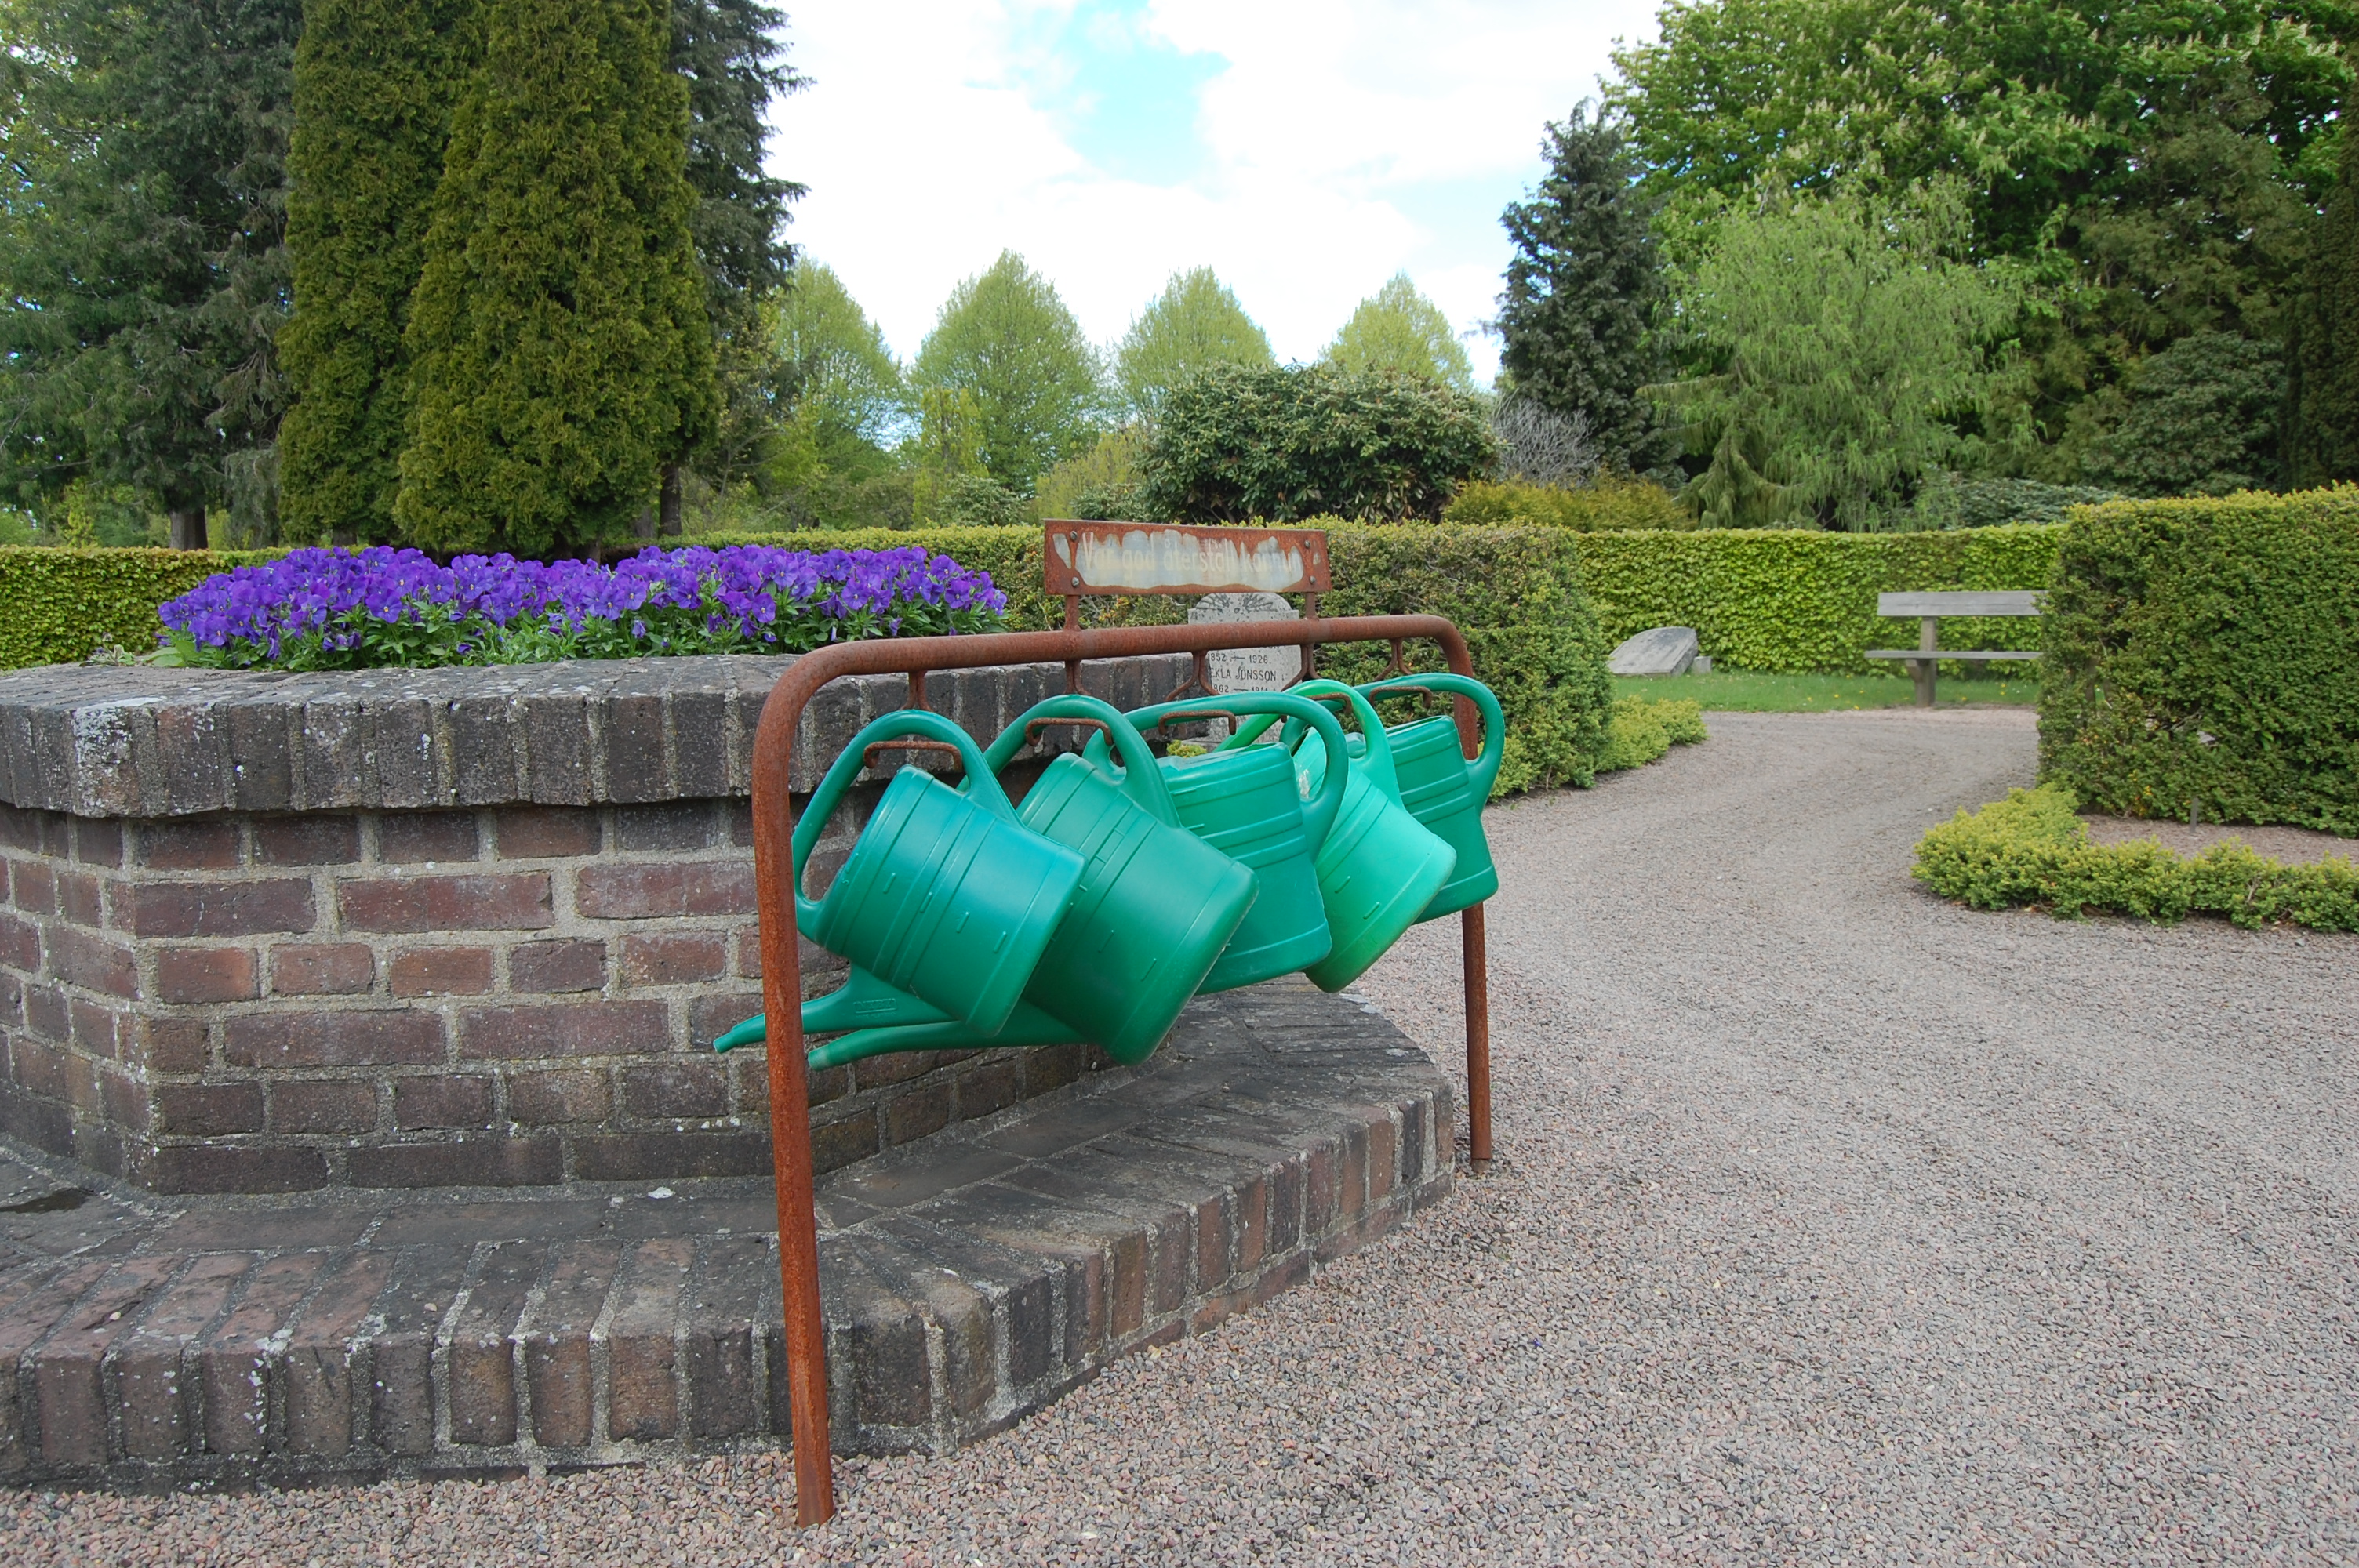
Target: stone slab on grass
1659 651
968 1279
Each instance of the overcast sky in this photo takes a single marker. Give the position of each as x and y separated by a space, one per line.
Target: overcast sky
1304 149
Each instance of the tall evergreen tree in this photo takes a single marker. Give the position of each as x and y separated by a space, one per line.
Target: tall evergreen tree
142 256
1583 288
2324 356
561 347
730 54
374 82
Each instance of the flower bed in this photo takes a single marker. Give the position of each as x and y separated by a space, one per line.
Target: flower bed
337 609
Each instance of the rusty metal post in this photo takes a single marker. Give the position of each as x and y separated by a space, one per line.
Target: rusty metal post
1477 963
773 742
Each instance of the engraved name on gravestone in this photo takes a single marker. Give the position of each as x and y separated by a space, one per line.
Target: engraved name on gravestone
1248 669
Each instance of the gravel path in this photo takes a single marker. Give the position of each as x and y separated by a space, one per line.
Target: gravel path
1835 1225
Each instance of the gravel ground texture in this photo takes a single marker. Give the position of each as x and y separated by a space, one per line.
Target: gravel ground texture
1833 1224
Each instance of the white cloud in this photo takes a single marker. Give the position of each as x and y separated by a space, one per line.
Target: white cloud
1344 140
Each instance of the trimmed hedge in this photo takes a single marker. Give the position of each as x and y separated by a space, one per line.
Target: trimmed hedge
2031 848
1516 593
2204 653
58 606
1800 601
1607 501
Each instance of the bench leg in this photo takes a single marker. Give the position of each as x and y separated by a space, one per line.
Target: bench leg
1923 668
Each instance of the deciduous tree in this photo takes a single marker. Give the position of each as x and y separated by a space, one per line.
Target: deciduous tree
1194 323
1399 328
1006 337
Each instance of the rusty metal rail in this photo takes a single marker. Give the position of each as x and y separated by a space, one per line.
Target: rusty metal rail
806 1341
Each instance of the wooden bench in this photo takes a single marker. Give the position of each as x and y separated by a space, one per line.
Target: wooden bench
1931 608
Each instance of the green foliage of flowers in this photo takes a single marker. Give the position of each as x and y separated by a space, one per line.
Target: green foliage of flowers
2200 653
2031 848
1794 600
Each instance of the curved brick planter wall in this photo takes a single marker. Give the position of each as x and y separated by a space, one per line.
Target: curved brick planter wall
446 928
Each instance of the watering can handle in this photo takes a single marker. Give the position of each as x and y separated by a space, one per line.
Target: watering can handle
1141 780
916 721
1379 756
1485 767
1318 814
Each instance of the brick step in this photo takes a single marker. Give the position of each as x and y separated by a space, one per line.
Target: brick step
968 1279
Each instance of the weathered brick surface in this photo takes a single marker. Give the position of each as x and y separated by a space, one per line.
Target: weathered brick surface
965 1280
255 925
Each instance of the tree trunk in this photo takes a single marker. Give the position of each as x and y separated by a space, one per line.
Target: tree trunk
643 527
668 502
188 527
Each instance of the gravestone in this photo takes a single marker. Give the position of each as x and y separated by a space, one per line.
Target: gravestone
1248 669
1659 651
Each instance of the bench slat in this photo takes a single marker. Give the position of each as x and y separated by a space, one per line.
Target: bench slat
1942 654
1975 604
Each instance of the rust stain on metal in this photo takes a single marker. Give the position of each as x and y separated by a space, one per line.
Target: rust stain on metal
806 1340
1144 557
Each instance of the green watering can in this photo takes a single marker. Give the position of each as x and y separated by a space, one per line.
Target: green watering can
1438 785
1247 804
1155 908
946 896
1379 867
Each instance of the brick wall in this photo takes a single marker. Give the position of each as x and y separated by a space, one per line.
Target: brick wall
498 994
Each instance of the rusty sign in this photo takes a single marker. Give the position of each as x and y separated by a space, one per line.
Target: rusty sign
1155 557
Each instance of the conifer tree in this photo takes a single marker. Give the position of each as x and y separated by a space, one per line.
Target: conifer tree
2323 438
1583 290
375 82
729 53
559 340
142 254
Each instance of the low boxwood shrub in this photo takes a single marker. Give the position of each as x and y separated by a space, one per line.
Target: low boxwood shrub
1801 601
1637 730
2204 655
2032 849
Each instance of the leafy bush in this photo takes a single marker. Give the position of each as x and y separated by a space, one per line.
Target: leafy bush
1237 444
2202 418
314 610
2031 849
1795 600
1637 731
1608 502
2199 652
1986 503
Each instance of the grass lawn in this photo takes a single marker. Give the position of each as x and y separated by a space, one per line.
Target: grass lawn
1746 691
